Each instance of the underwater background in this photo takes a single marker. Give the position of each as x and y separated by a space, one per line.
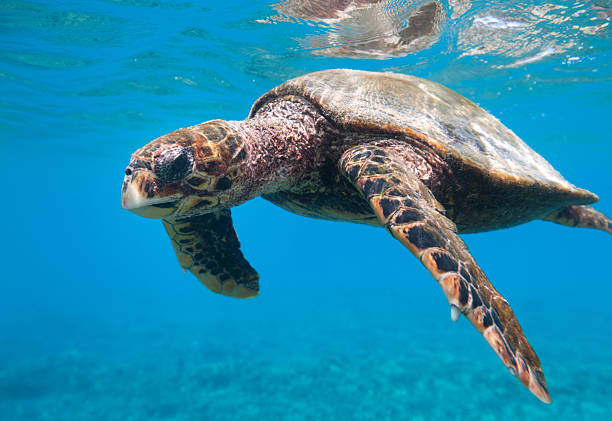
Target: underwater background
98 321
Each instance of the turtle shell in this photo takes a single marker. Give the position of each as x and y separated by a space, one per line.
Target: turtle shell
425 111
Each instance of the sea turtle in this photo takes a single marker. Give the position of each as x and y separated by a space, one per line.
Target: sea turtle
384 149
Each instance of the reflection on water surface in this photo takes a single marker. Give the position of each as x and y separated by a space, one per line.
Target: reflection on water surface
509 34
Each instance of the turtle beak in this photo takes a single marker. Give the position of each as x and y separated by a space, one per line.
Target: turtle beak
139 195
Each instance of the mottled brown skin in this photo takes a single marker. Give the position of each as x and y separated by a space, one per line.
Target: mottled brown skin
293 153
411 213
208 247
474 200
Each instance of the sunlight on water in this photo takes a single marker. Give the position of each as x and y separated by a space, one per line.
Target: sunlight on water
499 34
487 35
365 29
121 52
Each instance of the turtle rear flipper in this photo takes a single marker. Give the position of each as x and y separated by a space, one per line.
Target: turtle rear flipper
208 247
581 216
412 215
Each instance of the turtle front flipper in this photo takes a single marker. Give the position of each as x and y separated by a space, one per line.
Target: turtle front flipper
413 216
208 247
581 216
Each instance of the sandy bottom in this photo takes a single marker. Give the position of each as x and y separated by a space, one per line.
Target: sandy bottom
297 371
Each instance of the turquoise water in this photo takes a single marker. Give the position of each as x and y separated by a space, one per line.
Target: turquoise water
97 320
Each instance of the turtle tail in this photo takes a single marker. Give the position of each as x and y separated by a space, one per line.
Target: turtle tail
581 216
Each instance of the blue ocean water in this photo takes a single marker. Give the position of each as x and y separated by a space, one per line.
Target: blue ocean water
97 320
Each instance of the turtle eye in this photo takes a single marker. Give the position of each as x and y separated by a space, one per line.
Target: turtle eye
174 164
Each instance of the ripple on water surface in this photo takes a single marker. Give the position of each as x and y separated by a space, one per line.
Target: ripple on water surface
187 56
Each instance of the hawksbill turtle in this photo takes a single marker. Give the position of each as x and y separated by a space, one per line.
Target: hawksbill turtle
384 149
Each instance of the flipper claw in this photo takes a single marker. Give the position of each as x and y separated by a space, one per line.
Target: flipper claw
455 313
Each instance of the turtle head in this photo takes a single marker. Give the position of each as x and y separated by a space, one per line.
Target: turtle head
191 171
